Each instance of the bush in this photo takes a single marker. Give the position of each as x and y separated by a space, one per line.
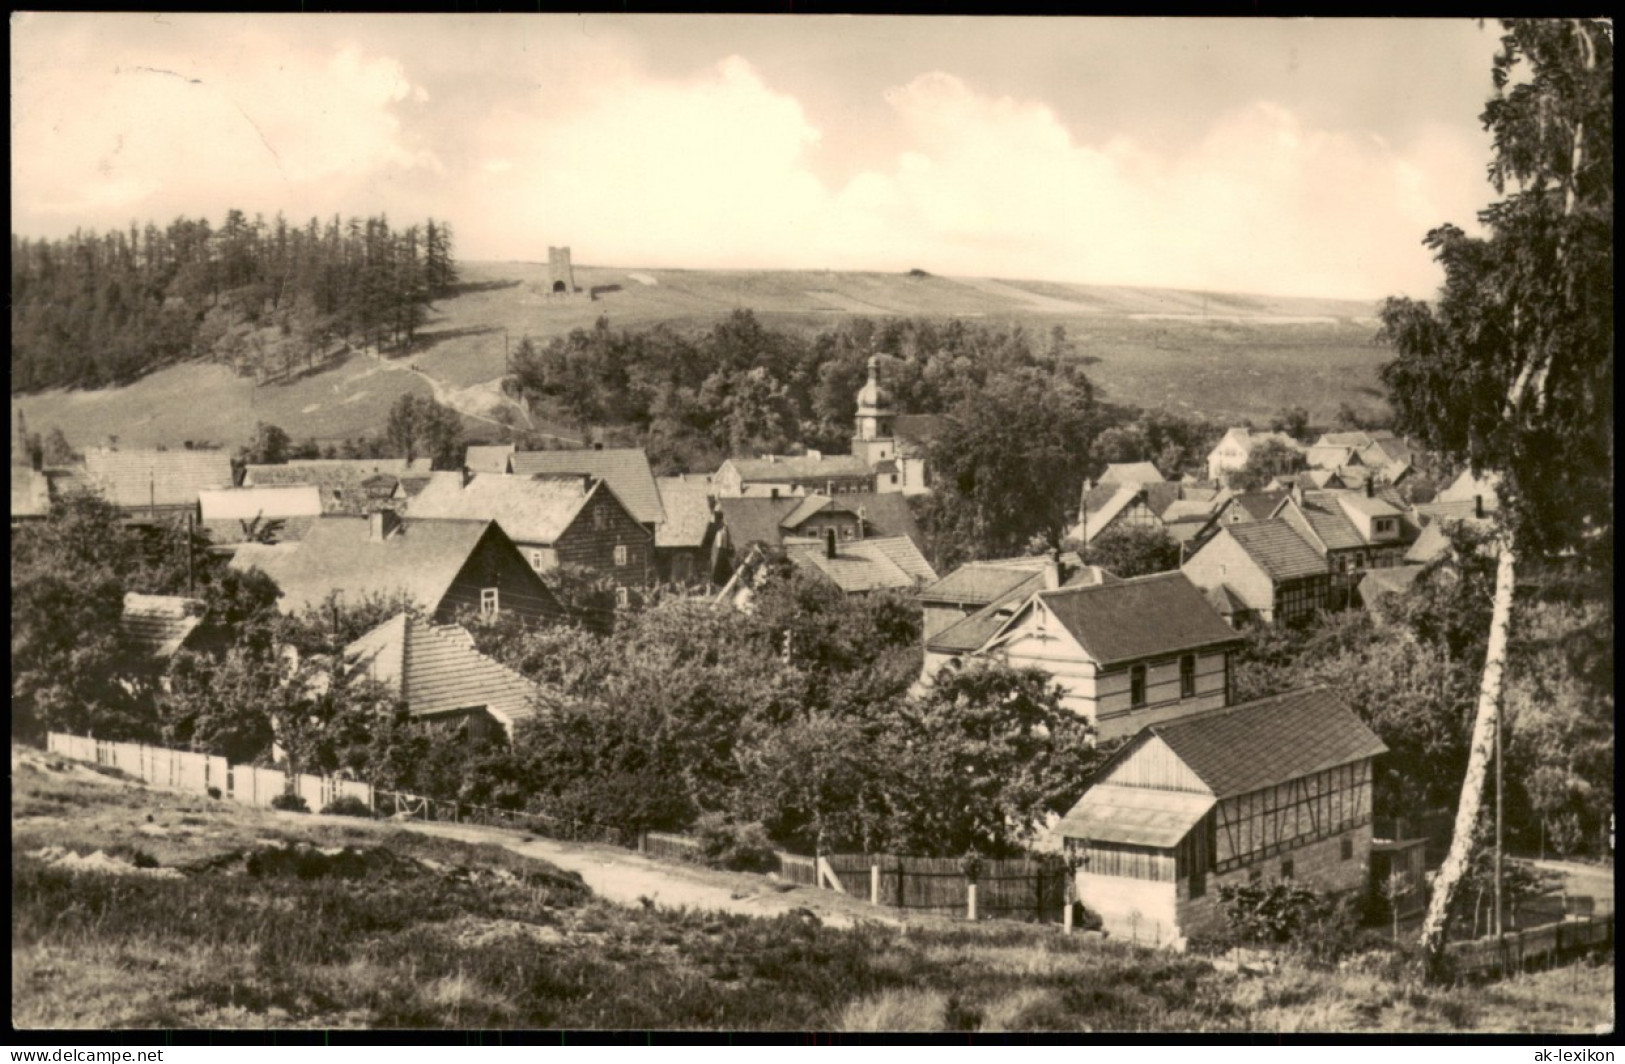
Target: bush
1322 928
290 803
739 847
347 805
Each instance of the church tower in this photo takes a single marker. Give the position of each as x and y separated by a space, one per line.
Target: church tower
873 440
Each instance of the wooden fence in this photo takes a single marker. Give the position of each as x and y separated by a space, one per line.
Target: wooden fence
1018 889
1535 948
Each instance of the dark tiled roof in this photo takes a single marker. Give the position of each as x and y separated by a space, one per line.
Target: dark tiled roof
980 583
973 631
1145 617
1259 744
158 625
1258 505
435 668
1277 548
625 469
756 519
136 478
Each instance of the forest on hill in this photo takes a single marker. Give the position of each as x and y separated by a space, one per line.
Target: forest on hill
269 299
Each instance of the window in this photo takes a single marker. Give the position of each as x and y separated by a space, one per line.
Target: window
623 598
536 560
488 602
620 555
1187 676
894 478
1136 686
1346 849
1286 868
1385 524
600 518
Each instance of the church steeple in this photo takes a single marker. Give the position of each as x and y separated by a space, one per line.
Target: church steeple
874 407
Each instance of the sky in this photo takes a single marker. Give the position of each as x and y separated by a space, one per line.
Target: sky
1286 157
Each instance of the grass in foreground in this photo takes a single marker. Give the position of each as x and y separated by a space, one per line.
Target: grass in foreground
255 919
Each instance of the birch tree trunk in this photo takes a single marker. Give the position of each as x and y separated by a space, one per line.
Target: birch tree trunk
1480 751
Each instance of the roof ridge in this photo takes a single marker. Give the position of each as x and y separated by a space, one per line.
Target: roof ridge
1121 582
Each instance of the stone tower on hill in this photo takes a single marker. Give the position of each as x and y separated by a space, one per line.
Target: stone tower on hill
561 278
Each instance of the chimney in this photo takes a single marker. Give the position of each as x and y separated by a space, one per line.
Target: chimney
863 516
829 543
1370 486
1052 574
773 493
384 523
468 475
586 483
1478 506
1296 491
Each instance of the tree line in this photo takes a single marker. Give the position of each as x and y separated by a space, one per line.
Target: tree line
267 298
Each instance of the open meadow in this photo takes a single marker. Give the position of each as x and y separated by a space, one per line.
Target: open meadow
1225 356
139 908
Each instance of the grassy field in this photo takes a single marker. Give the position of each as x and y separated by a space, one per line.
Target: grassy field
203 914
1226 356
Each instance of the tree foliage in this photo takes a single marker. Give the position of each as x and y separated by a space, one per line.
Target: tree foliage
1133 551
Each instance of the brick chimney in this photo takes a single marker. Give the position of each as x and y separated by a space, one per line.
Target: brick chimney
829 543
383 524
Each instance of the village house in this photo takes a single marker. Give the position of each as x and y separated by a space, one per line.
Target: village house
1235 508
488 458
1233 450
1439 522
1131 473
1176 509
554 520
157 627
1353 531
152 483
684 538
440 676
354 486
1482 491
966 608
442 567
777 476
883 563
1271 790
774 522
1261 571
30 495
625 469
1124 652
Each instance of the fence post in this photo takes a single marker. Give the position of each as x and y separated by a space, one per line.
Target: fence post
970 900
874 881
1066 920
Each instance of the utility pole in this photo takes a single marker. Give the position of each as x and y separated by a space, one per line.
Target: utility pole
190 588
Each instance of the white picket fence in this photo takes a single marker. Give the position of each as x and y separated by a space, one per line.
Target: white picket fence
186 771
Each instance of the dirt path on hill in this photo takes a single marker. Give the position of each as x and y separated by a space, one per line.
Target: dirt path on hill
626 878
444 395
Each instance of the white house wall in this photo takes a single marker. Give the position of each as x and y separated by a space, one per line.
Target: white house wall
1222 561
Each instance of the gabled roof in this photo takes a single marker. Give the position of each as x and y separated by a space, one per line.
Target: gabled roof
1148 616
1277 548
1258 744
806 507
760 519
1131 473
436 669
756 519
686 505
158 625
136 478
269 502
972 632
625 469
1101 509
30 492
867 564
1258 505
420 558
979 583
1370 505
799 467
1249 438
530 509
1140 816
483 458
343 482
1465 486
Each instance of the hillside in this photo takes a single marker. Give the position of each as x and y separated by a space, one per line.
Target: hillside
237 917
1227 356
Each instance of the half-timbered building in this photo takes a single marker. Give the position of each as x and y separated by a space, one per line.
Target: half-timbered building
1275 789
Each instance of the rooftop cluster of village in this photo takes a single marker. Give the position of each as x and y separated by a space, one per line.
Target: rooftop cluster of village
1145 657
